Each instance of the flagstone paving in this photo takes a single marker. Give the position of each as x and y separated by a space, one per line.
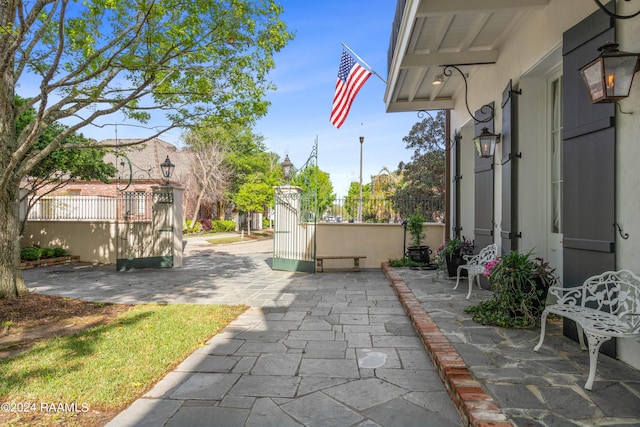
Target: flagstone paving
351 349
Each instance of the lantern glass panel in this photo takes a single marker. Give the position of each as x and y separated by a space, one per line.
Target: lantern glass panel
593 77
619 71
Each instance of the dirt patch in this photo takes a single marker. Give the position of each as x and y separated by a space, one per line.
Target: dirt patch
33 318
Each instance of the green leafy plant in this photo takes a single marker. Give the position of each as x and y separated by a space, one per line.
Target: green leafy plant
415 224
222 226
46 253
59 252
191 227
30 253
520 283
457 245
404 262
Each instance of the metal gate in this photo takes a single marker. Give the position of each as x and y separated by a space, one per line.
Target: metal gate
144 230
296 214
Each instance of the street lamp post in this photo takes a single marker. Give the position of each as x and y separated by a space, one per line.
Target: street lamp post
360 200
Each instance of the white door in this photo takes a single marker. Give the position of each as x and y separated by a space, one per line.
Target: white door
555 175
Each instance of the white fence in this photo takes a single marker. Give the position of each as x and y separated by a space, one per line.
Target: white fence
129 206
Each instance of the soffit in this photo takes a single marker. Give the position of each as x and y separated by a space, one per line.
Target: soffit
434 33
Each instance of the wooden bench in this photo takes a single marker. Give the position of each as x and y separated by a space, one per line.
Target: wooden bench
356 260
604 306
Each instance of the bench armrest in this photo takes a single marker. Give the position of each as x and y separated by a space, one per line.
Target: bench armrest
471 259
633 320
567 296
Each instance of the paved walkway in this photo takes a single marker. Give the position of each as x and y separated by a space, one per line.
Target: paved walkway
340 349
496 369
333 349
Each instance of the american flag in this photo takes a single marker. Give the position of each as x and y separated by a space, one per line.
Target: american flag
351 77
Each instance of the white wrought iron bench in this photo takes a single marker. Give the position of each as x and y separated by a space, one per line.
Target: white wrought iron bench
476 264
604 306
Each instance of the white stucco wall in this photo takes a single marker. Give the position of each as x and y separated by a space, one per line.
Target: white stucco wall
528 56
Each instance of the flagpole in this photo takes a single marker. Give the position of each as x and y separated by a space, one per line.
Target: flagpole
363 62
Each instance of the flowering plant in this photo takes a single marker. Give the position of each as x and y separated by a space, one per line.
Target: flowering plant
520 283
490 265
461 246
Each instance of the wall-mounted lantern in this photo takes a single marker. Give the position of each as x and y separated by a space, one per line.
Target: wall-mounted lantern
486 143
286 168
167 170
609 76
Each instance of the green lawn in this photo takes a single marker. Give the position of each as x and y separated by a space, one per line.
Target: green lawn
109 366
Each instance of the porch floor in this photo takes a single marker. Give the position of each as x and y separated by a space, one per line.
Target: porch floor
492 372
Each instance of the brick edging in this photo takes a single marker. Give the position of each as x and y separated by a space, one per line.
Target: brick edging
476 407
25 265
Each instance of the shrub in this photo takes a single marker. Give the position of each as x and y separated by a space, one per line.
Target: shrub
58 252
520 283
46 253
30 253
223 226
188 227
206 224
404 262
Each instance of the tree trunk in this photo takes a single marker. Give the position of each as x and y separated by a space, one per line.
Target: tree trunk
11 281
197 208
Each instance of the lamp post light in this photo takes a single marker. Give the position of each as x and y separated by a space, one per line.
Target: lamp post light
360 199
286 168
167 170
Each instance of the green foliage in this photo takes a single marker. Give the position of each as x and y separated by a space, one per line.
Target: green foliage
34 253
46 253
253 197
59 252
415 223
30 253
222 226
74 159
404 262
312 179
352 200
424 176
190 227
457 245
520 283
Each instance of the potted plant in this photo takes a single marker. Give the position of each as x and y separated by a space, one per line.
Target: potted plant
417 252
520 283
451 253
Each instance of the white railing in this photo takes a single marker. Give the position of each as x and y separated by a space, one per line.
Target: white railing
73 207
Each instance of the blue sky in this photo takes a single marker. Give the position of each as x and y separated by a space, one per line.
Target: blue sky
305 74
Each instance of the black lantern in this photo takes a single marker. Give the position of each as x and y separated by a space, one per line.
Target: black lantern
486 143
609 76
286 168
167 169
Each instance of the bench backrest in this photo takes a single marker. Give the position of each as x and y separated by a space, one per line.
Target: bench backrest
615 292
486 255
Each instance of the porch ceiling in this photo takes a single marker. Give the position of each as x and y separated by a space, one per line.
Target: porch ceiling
434 33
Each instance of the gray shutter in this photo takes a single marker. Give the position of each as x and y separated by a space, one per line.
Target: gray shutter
588 164
483 229
509 228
